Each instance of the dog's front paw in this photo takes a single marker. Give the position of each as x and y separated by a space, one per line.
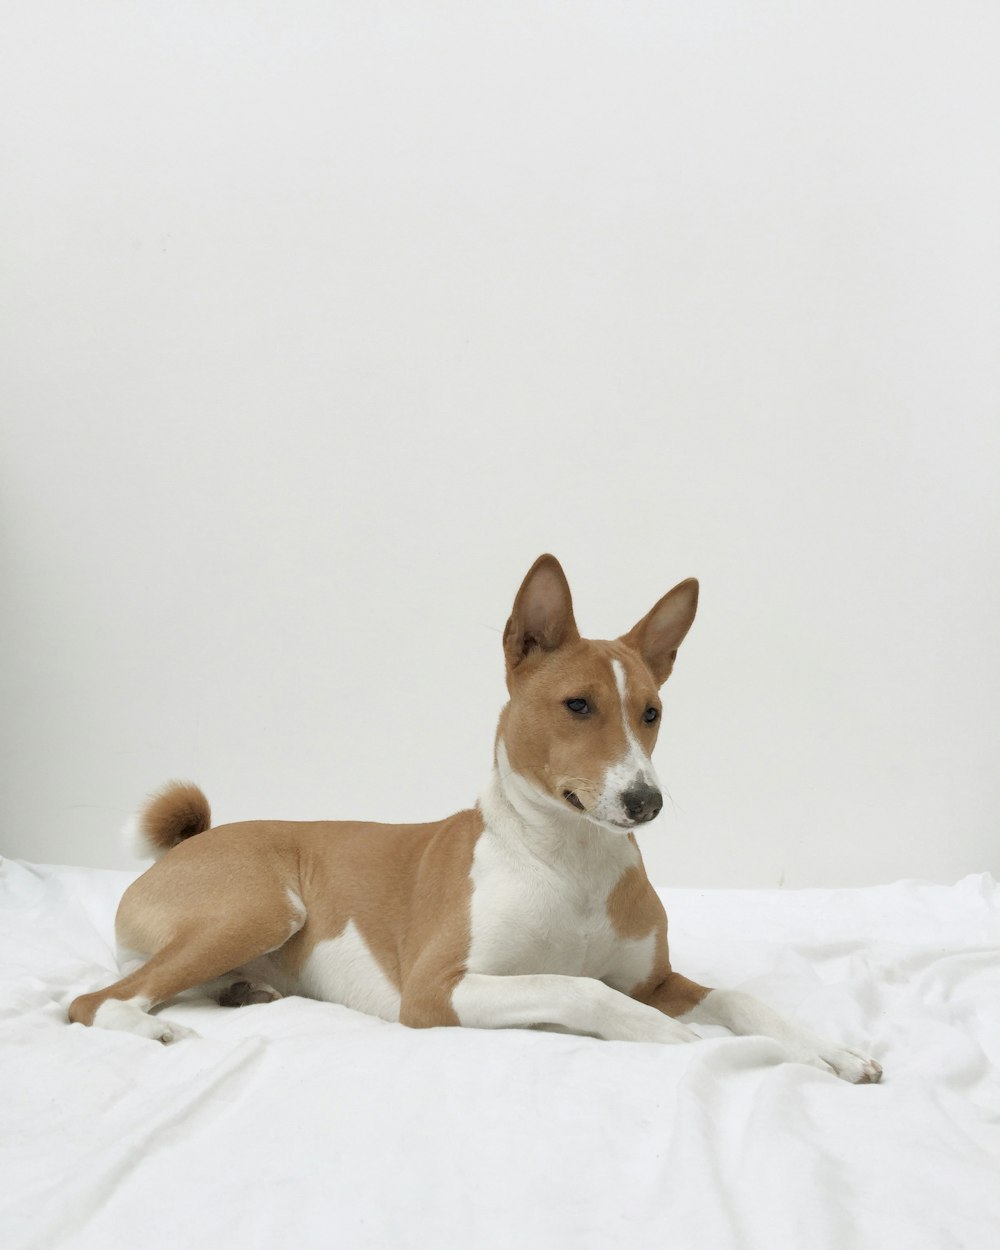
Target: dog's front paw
851 1066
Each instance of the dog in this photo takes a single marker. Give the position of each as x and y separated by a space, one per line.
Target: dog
530 910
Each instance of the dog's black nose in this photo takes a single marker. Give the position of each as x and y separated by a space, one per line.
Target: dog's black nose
642 801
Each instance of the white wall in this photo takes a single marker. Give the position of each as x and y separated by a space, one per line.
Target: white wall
322 320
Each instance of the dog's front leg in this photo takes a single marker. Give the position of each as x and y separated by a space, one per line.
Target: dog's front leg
574 1004
742 1014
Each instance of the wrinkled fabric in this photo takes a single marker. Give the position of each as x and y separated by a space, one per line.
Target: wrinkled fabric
305 1124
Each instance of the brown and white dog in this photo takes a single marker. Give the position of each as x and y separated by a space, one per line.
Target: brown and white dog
530 910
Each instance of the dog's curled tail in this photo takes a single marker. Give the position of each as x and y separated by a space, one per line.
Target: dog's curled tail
170 816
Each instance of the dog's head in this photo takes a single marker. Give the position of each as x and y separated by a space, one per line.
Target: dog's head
583 716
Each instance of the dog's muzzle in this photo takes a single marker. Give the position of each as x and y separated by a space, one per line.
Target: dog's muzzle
642 802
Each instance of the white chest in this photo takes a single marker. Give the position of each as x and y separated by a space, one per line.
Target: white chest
531 917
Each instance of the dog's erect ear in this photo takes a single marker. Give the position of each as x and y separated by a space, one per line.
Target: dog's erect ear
661 631
542 617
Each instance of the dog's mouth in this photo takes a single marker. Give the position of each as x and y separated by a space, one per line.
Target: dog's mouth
624 826
573 801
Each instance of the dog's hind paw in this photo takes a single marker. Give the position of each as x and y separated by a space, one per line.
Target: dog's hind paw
128 1016
851 1066
246 993
168 1032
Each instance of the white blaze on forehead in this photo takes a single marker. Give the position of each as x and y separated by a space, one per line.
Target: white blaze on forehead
635 764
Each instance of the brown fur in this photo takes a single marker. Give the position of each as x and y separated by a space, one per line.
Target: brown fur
557 751
221 899
548 663
407 888
636 911
176 812
662 630
217 902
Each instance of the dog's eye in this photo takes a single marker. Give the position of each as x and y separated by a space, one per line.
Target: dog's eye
650 715
580 706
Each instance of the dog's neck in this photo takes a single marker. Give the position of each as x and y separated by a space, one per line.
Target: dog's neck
529 825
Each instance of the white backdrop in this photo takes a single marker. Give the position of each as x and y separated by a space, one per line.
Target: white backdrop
322 320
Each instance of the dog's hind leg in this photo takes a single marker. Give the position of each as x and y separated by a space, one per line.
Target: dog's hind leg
201 951
204 911
240 987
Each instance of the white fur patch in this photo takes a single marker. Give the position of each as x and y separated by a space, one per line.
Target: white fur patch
634 766
343 970
129 960
130 1015
742 1014
567 1004
541 888
299 919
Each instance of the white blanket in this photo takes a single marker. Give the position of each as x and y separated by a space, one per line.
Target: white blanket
301 1124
